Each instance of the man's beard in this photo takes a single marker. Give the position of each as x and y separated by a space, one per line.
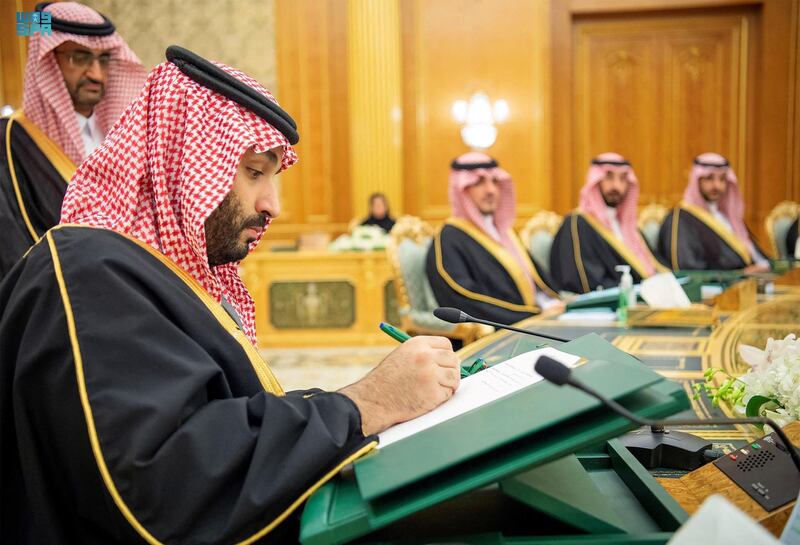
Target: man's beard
79 98
612 199
711 198
487 206
224 229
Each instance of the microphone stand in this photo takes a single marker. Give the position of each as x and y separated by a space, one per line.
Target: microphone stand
656 447
789 447
456 316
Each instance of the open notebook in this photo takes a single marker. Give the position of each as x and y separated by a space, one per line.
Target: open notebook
480 389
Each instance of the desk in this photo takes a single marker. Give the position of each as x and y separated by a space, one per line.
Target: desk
678 353
683 354
320 298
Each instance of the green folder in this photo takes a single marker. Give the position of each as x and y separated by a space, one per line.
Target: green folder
609 298
695 280
489 445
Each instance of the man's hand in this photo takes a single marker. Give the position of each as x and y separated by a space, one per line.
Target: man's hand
415 378
554 309
757 268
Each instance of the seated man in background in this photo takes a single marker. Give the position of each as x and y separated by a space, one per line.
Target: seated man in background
602 233
706 231
477 262
135 405
379 212
793 239
77 83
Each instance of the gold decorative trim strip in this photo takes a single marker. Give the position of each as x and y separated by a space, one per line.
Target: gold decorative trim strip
526 257
618 245
437 241
727 237
62 163
502 255
65 167
93 437
576 251
15 184
305 495
87 409
262 370
676 216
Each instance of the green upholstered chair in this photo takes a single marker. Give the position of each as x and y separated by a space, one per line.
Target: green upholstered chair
649 221
407 249
538 234
777 224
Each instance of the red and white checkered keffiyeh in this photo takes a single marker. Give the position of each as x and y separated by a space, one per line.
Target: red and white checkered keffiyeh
45 99
592 203
166 165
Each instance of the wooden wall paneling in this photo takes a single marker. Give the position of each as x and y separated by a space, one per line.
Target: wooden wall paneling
317 190
757 123
13 52
616 97
543 181
289 17
660 90
563 93
312 86
340 116
794 133
375 97
706 108
612 6
776 123
451 49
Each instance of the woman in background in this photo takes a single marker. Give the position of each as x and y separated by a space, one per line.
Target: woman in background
379 212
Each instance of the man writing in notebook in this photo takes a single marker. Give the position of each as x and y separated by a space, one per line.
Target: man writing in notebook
135 406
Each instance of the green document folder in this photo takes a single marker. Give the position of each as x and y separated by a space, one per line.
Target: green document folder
609 297
489 445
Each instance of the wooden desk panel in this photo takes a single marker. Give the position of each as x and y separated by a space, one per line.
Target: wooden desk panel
319 298
692 489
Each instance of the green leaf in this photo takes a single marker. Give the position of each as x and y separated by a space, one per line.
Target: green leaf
754 405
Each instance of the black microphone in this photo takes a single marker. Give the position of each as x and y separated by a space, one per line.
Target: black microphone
559 374
455 316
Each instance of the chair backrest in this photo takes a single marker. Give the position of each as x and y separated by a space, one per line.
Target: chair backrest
777 224
538 235
407 250
649 221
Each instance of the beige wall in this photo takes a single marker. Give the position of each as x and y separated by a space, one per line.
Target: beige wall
236 32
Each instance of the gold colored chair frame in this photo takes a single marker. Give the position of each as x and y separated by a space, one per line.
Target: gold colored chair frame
544 220
784 209
417 230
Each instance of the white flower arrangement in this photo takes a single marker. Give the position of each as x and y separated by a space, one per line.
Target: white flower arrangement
771 387
362 238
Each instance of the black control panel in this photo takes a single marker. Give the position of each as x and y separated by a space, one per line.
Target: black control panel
764 470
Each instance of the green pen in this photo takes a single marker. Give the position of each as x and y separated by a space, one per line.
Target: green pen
397 334
401 336
478 365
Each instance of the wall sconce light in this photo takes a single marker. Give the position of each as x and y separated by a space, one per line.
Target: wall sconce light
478 117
